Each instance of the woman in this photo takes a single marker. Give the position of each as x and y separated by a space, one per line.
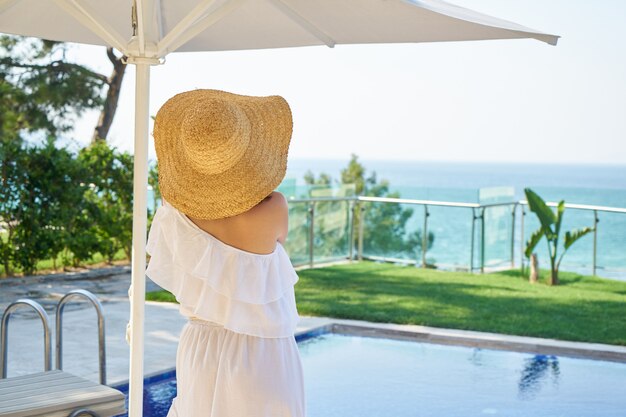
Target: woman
216 244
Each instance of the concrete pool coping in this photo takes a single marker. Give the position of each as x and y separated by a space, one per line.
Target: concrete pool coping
469 338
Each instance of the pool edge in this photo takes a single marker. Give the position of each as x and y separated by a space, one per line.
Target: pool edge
443 336
467 338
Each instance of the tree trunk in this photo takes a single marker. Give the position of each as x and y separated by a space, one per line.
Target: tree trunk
128 251
554 276
534 269
5 258
113 95
65 260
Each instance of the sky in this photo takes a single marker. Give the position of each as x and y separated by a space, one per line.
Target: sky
481 101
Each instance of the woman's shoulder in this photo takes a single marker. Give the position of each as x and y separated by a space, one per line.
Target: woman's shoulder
271 207
255 230
271 210
275 203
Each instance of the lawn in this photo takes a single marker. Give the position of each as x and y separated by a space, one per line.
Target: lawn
582 308
46 266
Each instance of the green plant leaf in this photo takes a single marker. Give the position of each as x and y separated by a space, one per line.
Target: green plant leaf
533 241
544 213
559 218
573 235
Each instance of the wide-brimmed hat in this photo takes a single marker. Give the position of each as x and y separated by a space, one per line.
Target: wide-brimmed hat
219 154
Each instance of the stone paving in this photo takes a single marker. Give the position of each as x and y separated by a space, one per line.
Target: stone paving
109 284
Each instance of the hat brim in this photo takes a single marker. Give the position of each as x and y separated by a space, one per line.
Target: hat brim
259 170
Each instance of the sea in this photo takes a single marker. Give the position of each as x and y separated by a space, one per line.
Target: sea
475 182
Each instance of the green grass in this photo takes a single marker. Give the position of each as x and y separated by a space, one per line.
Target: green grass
582 308
96 259
47 265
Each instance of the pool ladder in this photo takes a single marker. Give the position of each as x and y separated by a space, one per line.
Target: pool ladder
25 302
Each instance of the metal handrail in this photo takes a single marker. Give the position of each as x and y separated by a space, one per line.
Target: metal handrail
452 203
583 207
4 327
59 329
418 202
316 199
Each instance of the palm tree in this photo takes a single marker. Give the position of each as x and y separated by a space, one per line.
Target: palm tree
550 228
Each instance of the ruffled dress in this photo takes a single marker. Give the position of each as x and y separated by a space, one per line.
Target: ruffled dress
237 356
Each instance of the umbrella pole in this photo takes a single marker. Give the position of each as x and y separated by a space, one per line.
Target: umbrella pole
140 212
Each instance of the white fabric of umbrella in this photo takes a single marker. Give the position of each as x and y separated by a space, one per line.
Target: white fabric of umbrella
145 31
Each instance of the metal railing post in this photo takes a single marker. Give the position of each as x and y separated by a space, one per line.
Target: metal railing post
595 239
482 241
521 239
425 236
352 210
311 232
513 235
472 242
59 329
4 328
361 227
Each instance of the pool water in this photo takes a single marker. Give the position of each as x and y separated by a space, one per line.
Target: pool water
358 376
370 377
158 393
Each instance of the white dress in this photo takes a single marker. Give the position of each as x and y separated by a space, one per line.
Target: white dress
237 356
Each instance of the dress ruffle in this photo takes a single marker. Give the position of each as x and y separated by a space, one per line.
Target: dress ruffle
245 292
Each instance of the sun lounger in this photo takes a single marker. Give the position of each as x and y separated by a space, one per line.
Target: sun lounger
54 393
57 394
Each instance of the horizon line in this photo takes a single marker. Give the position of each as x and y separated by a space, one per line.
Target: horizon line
338 159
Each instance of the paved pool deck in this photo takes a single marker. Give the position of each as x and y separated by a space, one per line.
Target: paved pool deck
163 325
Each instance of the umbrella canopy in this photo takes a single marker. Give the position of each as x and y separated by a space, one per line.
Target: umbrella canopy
147 30
218 25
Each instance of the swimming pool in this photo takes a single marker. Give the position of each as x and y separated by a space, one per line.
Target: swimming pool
347 375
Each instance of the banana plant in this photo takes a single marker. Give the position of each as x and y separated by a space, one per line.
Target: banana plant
550 229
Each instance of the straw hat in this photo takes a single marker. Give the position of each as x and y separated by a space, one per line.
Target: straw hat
220 154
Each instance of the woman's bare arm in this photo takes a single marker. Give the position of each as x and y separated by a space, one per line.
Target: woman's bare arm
282 216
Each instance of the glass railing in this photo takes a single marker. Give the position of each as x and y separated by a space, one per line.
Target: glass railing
320 230
448 235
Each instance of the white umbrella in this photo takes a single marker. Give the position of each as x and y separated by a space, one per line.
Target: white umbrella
147 30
